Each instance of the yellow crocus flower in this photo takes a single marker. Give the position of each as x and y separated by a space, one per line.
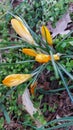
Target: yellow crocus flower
15 79
21 30
43 58
29 52
46 35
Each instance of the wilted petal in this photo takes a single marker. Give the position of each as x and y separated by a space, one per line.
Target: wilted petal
32 87
21 30
15 79
29 52
46 35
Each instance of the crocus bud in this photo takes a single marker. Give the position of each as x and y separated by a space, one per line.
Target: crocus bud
29 52
15 79
21 30
46 35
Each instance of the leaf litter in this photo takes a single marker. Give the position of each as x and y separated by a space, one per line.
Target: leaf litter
62 26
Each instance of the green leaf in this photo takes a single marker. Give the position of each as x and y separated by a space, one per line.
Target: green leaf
64 125
66 72
68 56
64 38
52 91
2 107
20 62
54 65
64 83
71 43
68 120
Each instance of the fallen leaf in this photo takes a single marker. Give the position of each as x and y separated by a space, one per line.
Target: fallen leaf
28 103
61 25
29 107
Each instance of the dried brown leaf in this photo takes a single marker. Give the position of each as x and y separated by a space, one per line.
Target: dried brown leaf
61 25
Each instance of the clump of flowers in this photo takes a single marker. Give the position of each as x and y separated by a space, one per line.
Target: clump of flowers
42 53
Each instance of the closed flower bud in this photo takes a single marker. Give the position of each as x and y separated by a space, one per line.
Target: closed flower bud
46 35
15 79
29 52
21 30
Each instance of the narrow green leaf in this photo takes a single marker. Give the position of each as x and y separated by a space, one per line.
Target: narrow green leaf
61 119
66 72
68 120
12 47
41 68
64 83
68 56
2 107
64 38
64 125
71 43
54 65
53 91
20 62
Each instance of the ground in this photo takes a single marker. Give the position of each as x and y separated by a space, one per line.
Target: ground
54 103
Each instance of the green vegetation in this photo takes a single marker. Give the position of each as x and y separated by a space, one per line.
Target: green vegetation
13 61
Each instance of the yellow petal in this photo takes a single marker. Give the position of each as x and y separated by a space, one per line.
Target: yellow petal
15 79
56 57
32 87
29 52
21 30
42 58
46 35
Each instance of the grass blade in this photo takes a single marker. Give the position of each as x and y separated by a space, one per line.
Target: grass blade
20 62
53 91
68 56
64 83
2 107
64 38
68 120
54 65
64 125
66 72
